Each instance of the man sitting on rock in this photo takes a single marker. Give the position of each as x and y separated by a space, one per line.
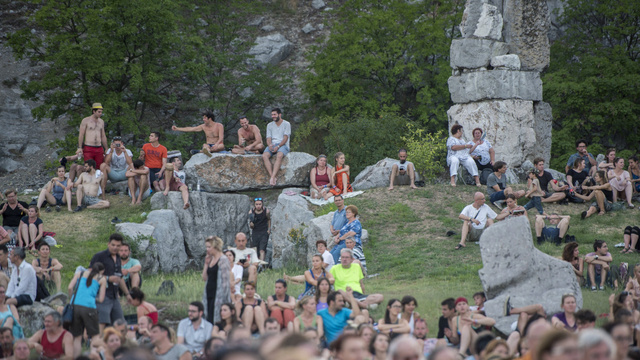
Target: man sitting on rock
12 212
247 258
545 178
139 182
88 185
249 138
555 232
402 173
350 275
598 264
177 178
154 156
130 267
117 161
477 217
497 188
339 216
213 131
590 164
278 134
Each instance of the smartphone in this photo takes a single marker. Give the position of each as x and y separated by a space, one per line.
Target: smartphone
518 212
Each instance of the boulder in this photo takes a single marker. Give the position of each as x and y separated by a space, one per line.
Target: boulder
489 23
8 165
308 28
374 176
542 122
526 28
474 11
557 175
508 125
256 21
32 317
317 4
141 238
470 53
169 241
221 215
511 62
230 172
288 221
512 266
271 49
268 28
495 84
122 186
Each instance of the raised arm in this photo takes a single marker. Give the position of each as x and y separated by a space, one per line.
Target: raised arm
188 129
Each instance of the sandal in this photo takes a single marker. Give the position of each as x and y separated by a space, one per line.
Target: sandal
460 246
624 251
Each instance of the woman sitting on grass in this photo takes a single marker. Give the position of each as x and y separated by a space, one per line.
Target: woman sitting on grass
228 319
55 192
311 277
252 311
392 323
571 254
603 194
308 317
633 285
409 305
31 228
620 181
566 320
322 291
143 308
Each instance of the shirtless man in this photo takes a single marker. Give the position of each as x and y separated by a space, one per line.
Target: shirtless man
92 141
138 180
249 138
88 185
214 132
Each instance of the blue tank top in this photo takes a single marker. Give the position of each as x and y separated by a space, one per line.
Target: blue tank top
86 296
58 192
634 177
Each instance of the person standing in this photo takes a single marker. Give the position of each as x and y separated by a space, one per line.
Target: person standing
278 134
91 288
216 274
92 140
154 156
260 223
213 131
110 310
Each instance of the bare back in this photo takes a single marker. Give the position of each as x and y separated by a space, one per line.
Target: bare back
93 129
213 132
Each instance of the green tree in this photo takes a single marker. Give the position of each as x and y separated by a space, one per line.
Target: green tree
115 52
386 55
593 82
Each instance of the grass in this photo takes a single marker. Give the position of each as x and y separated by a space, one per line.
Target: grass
408 247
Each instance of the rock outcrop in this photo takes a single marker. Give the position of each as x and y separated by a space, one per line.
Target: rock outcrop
229 172
32 317
496 81
271 49
375 176
288 221
514 267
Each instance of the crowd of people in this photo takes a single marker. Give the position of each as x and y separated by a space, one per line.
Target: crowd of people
330 319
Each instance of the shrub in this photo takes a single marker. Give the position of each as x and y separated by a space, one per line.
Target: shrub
427 151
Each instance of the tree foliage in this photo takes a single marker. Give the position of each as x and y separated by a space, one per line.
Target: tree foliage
427 151
386 55
593 82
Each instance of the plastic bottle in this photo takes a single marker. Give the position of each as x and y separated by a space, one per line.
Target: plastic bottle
198 185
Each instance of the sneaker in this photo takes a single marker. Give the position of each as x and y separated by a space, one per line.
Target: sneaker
601 288
631 206
507 306
115 220
498 204
373 306
583 215
57 208
593 288
79 208
48 209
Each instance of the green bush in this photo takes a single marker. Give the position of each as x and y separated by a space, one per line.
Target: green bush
427 151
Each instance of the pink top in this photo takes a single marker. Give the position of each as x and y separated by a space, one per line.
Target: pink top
619 185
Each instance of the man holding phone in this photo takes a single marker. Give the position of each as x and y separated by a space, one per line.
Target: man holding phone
512 209
116 163
247 258
402 173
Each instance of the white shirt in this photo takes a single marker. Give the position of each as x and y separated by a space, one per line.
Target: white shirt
277 133
119 162
237 274
405 166
23 281
460 154
195 339
247 252
482 151
479 214
327 258
180 175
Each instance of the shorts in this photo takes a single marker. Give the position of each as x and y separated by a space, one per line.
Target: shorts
323 190
360 296
93 152
283 149
117 175
59 201
90 200
173 185
146 194
153 177
23 300
109 311
551 234
259 240
497 196
84 318
474 234
402 179
608 206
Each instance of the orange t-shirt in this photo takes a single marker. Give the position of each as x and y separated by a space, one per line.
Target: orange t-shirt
153 155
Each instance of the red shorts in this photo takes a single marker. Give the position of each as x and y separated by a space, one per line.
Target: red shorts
93 152
174 185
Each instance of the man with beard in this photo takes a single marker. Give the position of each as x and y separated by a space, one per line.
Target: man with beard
249 138
194 331
88 187
130 267
92 140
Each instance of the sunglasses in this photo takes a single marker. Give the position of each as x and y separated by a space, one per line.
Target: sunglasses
257 199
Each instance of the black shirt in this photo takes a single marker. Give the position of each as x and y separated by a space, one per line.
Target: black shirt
110 268
260 221
577 177
11 217
544 180
443 323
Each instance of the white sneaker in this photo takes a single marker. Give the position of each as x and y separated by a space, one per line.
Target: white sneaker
373 306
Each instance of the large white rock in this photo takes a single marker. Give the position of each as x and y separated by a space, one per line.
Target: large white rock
142 236
222 215
32 317
374 176
169 244
230 172
291 213
512 266
511 61
490 23
471 53
271 49
495 84
509 126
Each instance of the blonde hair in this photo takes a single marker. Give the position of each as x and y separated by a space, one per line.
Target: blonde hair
302 302
110 331
215 241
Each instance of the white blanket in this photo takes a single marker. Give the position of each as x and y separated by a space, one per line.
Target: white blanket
321 202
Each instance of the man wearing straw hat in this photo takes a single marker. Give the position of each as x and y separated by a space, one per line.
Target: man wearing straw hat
92 140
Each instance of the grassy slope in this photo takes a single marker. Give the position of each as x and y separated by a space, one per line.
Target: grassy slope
408 247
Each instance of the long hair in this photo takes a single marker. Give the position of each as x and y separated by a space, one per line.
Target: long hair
387 318
567 253
320 280
95 270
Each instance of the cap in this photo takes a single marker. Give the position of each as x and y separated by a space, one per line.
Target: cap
461 299
96 106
